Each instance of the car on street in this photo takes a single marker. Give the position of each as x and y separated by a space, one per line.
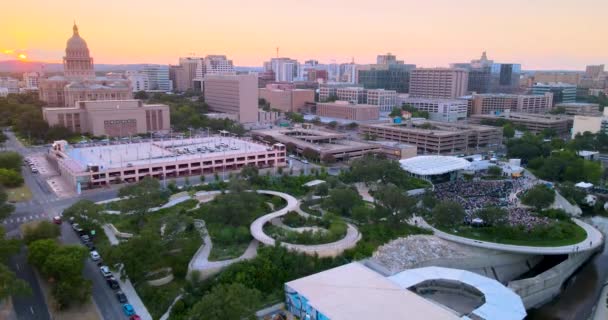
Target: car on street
105 271
134 317
95 255
122 298
57 220
128 309
85 238
77 228
112 283
90 246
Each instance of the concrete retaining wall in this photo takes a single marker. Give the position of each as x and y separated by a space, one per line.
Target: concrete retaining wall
545 286
161 281
119 234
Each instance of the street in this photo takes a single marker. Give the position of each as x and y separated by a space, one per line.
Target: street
31 307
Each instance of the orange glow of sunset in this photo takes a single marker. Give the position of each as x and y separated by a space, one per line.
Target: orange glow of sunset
22 56
540 34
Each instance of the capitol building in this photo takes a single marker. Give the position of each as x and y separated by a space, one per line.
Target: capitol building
79 82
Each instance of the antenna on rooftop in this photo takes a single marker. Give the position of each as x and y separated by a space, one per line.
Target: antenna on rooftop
277 52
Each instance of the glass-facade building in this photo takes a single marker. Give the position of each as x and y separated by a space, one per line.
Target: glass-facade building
492 77
390 77
562 92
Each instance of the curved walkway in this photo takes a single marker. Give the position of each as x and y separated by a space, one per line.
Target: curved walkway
322 250
594 240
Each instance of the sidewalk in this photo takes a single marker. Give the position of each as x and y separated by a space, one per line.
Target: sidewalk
133 297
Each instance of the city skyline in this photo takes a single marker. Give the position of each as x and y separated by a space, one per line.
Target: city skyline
431 34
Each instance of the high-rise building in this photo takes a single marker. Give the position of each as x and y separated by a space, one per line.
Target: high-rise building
487 76
562 92
557 76
594 71
79 82
285 69
492 103
158 77
233 94
183 74
347 110
389 73
352 94
446 83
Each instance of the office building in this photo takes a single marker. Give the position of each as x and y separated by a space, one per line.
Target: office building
356 95
235 94
491 103
89 166
580 108
10 84
593 124
138 80
286 99
114 118
31 80
285 69
594 71
557 76
487 76
158 77
348 110
434 137
329 91
535 123
183 74
317 75
446 83
562 92
385 99
449 110
393 75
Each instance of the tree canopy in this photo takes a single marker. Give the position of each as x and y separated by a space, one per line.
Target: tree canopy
448 214
227 301
539 197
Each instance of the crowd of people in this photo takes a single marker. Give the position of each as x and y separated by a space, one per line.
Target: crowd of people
475 195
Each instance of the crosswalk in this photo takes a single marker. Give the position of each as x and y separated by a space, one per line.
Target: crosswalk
24 219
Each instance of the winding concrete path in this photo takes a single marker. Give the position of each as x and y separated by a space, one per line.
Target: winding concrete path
322 250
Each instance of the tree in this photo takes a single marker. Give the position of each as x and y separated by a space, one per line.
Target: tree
494 171
142 197
399 205
291 147
294 117
137 254
10 178
396 112
141 95
448 214
11 160
352 126
328 158
492 215
250 173
558 110
10 285
508 131
40 230
310 154
5 208
343 200
232 301
539 197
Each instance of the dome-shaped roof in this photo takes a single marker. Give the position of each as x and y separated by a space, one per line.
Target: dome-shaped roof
76 42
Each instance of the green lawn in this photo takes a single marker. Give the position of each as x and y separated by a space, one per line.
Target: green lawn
158 299
575 235
220 251
19 194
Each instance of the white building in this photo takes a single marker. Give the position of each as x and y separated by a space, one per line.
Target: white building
447 110
139 81
385 99
213 64
285 69
158 77
11 84
590 124
357 95
30 80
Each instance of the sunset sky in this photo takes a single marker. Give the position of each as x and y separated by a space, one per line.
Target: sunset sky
539 34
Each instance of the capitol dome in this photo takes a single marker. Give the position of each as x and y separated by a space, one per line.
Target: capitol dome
76 42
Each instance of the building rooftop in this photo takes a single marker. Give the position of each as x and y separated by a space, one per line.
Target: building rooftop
500 302
316 139
133 154
433 128
539 118
355 292
433 165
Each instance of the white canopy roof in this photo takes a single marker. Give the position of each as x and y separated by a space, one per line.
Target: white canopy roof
584 185
433 165
500 301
